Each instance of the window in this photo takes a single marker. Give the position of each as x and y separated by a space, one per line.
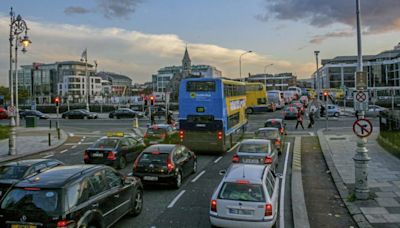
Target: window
231 90
113 180
254 148
73 194
84 189
200 86
98 182
178 154
242 192
270 187
233 120
261 101
12 172
40 166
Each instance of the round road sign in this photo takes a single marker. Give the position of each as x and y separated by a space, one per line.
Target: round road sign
362 128
361 96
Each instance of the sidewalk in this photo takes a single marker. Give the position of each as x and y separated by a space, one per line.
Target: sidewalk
30 141
383 209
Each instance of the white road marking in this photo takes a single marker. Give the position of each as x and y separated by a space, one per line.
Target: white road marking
71 134
130 174
282 199
79 143
48 156
61 152
176 199
198 176
311 133
234 147
218 159
73 147
84 137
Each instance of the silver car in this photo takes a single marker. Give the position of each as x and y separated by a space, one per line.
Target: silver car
246 197
256 151
270 133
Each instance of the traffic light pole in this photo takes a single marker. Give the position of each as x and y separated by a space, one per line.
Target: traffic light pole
326 113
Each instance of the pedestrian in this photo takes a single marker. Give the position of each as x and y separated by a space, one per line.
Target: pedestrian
170 119
299 119
357 114
311 116
152 119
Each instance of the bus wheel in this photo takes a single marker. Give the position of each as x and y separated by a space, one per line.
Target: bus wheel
249 111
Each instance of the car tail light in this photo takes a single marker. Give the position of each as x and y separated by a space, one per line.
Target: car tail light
277 142
242 182
213 205
181 134
268 209
65 224
267 160
219 135
32 189
112 155
235 158
170 164
85 155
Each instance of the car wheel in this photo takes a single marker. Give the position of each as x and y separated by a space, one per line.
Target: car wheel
137 203
178 180
121 162
249 111
194 166
336 114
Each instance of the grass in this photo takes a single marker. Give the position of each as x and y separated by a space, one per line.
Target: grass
389 140
4 132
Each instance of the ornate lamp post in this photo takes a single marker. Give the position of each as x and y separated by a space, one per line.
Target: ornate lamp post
17 27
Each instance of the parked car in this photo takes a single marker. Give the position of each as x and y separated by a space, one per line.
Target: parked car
116 150
3 114
72 196
79 114
35 113
165 163
290 113
374 110
12 172
272 134
160 133
333 110
247 196
276 123
256 151
158 112
125 113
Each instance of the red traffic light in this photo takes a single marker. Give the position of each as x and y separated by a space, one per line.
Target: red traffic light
57 100
152 98
325 94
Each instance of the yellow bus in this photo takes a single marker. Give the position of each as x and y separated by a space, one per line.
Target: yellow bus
257 98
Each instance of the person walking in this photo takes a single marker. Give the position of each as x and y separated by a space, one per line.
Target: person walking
357 115
311 116
299 119
152 119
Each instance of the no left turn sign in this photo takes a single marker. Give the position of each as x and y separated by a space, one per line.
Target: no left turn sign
362 128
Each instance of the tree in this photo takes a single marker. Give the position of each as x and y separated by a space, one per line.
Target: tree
4 91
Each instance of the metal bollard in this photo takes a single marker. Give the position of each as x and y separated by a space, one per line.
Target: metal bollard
58 133
50 123
49 139
56 124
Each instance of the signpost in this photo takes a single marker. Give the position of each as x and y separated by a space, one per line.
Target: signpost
361 80
362 128
361 101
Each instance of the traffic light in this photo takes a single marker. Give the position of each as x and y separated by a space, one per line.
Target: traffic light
152 100
57 101
145 100
325 95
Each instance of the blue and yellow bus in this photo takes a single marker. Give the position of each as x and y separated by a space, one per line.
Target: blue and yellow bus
212 114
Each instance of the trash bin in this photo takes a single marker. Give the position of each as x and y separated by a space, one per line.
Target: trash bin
30 121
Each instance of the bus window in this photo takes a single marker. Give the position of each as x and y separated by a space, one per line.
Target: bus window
233 120
200 86
261 101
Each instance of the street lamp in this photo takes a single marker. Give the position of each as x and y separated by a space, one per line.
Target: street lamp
87 84
265 73
240 64
17 26
317 84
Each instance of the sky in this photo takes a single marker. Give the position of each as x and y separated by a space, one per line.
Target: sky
138 37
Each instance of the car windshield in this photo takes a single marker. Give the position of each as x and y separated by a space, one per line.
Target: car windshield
270 134
254 147
275 124
154 157
242 192
32 199
106 143
12 172
156 131
290 109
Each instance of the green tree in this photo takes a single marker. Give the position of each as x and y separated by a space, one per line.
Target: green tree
4 91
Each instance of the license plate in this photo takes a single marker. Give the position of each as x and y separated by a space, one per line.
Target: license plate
23 226
240 211
150 178
97 155
253 161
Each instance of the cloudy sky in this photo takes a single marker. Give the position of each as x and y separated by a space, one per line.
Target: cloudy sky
137 37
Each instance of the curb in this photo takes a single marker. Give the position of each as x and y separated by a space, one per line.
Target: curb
64 138
299 209
353 209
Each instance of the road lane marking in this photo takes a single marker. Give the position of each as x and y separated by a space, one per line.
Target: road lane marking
234 147
198 176
71 134
218 159
61 152
282 199
311 133
48 156
73 147
176 199
79 143
84 137
130 174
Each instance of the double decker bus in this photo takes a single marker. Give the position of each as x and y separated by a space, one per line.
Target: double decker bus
212 114
256 98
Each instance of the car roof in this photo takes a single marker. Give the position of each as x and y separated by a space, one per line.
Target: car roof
162 148
59 176
255 141
28 162
277 120
250 172
268 129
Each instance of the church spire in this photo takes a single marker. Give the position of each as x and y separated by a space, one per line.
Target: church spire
186 63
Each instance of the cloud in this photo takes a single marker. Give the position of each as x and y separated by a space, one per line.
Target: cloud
320 38
75 10
377 16
117 8
133 53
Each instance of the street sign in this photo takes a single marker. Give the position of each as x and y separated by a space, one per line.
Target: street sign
361 106
361 101
361 96
362 128
361 80
11 110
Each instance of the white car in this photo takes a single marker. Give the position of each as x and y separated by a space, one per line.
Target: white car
246 197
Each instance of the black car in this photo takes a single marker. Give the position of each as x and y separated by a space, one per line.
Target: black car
36 113
72 196
79 114
12 172
115 150
161 133
125 113
159 112
165 163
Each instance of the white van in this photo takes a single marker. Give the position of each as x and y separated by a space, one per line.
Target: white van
276 96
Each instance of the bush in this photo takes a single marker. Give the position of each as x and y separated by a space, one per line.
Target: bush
389 140
4 132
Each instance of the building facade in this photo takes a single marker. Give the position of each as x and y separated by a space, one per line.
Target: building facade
121 85
274 82
383 70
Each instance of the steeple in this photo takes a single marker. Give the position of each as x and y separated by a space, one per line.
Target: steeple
186 64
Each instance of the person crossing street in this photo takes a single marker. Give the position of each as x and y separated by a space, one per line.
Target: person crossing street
299 119
311 116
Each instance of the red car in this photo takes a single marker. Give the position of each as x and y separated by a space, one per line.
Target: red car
3 114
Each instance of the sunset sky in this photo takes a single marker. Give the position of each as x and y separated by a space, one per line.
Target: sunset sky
137 37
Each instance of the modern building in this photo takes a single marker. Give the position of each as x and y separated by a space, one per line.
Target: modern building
121 85
383 70
278 81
